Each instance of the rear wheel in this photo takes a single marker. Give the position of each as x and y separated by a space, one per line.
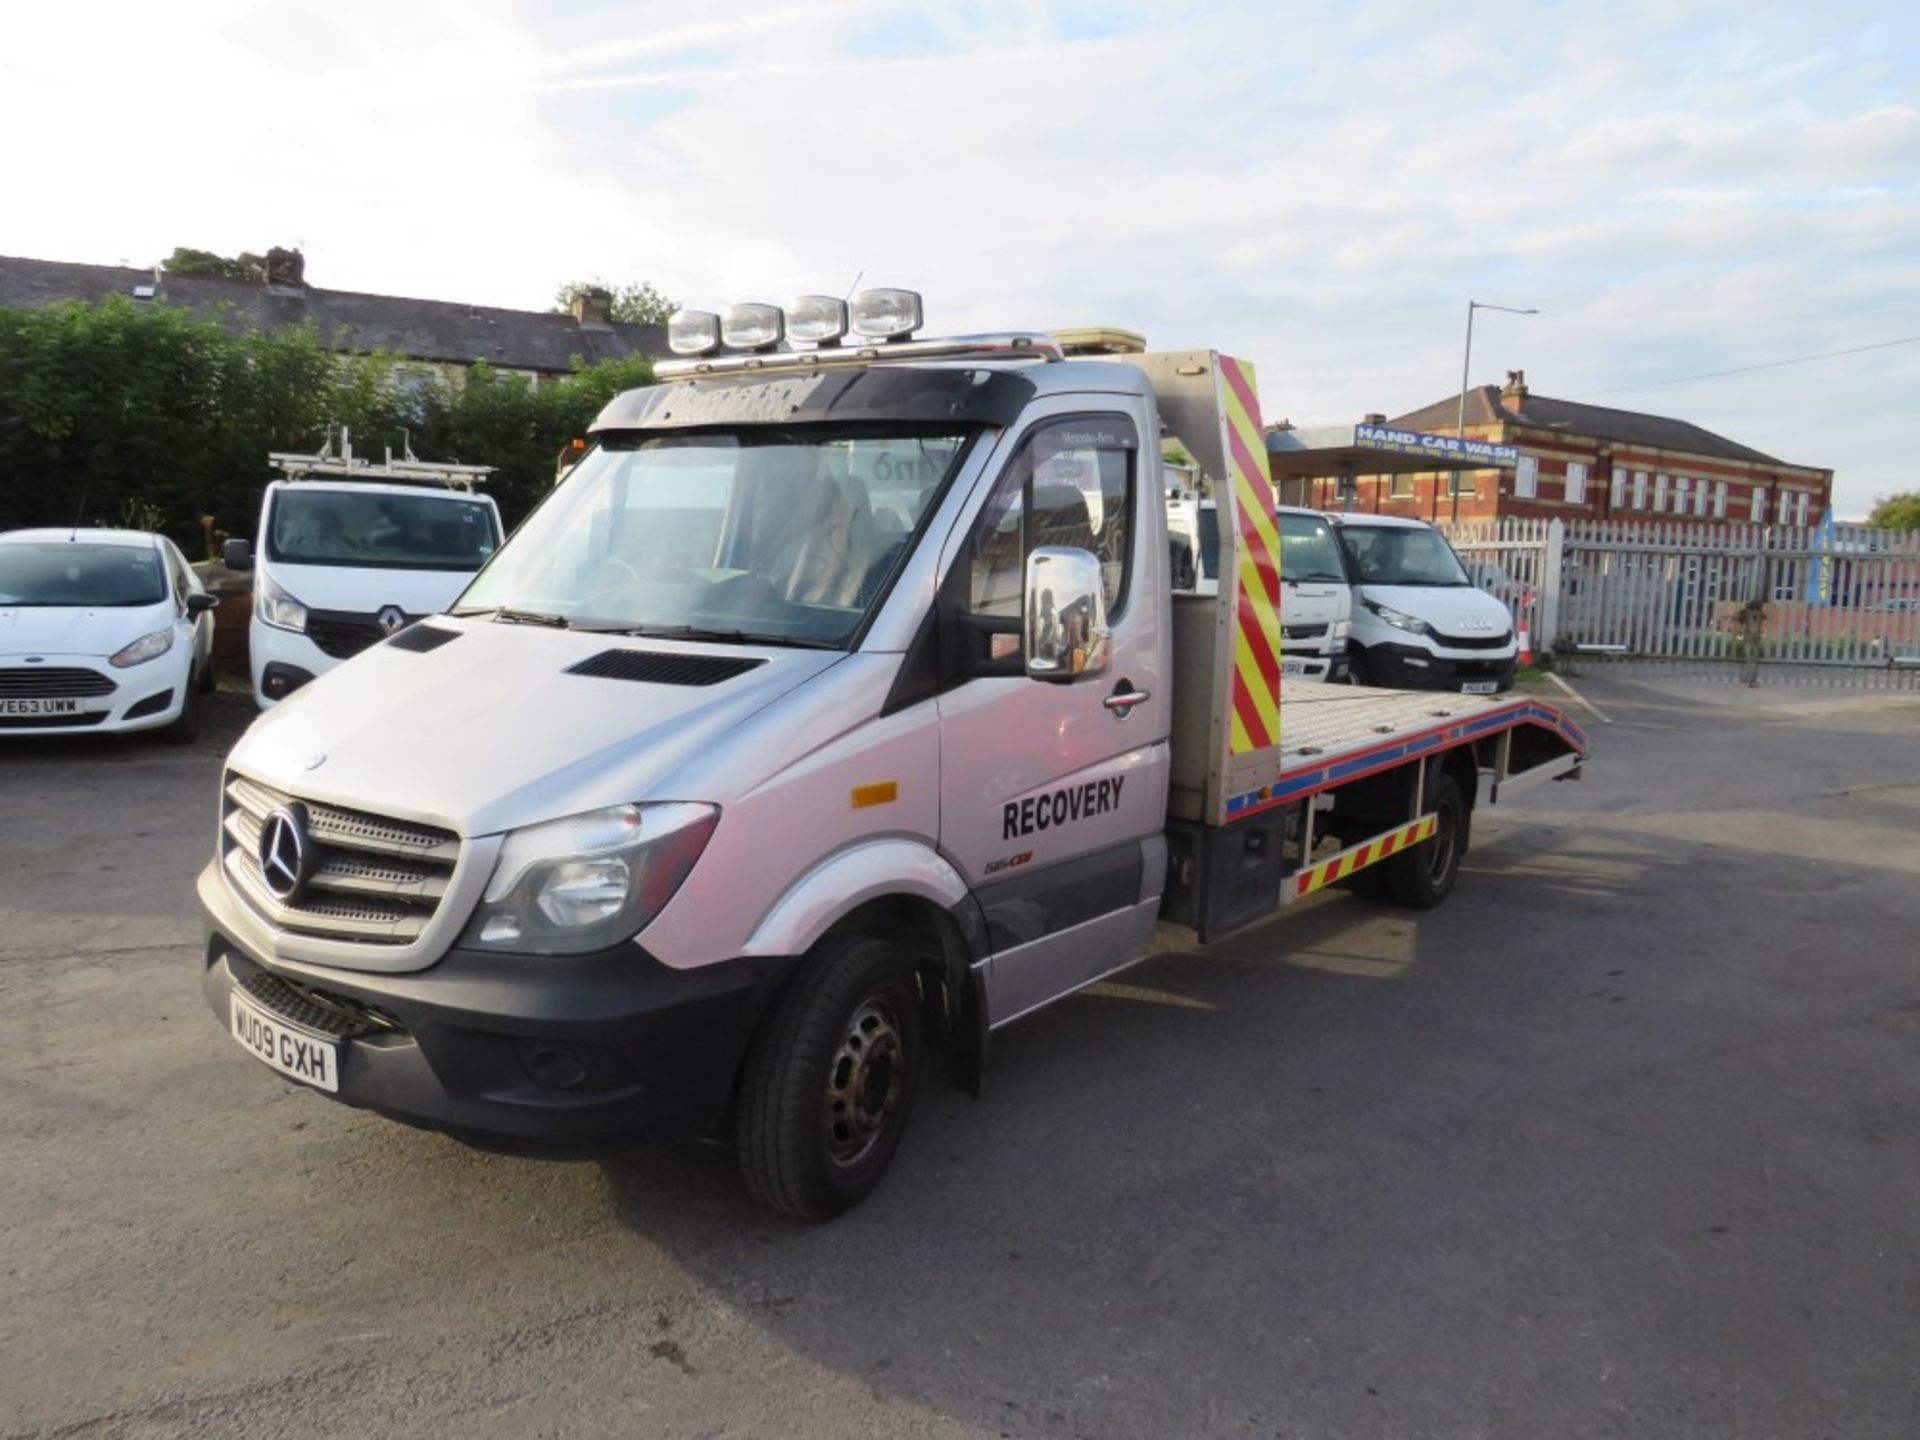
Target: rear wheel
1423 876
830 1080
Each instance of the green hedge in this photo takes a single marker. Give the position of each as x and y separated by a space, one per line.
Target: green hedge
143 411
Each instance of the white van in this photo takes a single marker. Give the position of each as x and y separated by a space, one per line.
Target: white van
343 563
1316 603
1419 621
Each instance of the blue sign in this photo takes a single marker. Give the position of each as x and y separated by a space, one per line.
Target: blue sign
1820 572
1437 447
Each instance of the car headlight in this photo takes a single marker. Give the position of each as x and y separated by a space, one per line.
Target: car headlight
1399 619
1342 630
276 607
146 648
589 881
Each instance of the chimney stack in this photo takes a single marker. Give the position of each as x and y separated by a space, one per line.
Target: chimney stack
1373 417
592 305
1514 394
286 267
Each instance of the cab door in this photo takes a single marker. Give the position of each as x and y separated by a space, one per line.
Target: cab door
1053 792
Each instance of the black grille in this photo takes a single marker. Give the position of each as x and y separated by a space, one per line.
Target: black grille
315 1010
152 705
34 682
421 638
1303 632
1474 642
1482 669
342 635
50 722
660 667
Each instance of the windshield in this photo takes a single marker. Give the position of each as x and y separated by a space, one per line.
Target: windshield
1400 555
369 529
781 536
1307 550
76 573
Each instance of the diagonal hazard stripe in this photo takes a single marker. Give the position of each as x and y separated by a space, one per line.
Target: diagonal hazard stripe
1264 721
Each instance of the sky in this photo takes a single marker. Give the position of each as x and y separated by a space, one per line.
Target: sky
1321 188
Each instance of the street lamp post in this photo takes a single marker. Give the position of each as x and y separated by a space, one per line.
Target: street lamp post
1466 364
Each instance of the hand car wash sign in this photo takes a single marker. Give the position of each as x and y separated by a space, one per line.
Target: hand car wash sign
1438 447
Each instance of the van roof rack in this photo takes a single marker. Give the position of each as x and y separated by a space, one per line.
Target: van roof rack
407 470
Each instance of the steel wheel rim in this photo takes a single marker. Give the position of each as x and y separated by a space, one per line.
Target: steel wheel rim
866 1079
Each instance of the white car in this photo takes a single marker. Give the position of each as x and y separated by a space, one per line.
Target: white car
101 630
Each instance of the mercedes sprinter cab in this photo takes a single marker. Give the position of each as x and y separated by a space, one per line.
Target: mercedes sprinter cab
1316 603
351 551
1419 621
833 712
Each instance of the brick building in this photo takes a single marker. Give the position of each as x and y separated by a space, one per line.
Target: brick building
1590 462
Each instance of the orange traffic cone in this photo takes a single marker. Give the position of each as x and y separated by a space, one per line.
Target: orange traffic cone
1526 647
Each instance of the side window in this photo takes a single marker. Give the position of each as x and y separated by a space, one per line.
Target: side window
1071 484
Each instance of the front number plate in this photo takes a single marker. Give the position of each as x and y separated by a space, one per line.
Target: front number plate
1480 687
40 707
298 1054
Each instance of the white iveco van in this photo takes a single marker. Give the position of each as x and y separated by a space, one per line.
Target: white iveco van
1316 603
344 563
1419 621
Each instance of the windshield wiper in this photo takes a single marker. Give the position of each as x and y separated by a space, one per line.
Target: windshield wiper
737 637
530 617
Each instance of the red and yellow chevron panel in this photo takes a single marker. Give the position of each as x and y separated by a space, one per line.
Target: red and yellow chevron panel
1360 856
1256 654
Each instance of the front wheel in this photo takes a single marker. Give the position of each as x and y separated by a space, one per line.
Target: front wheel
184 728
1422 877
830 1080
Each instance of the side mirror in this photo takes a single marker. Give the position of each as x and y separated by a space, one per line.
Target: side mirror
237 554
1065 619
199 602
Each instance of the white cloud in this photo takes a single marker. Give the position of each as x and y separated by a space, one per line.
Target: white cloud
1319 190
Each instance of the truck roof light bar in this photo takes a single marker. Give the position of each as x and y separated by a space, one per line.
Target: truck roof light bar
1023 345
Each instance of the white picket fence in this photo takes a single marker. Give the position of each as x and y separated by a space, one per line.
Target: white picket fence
1841 608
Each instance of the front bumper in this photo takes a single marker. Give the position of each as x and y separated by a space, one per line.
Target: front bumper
568 1055
144 697
1413 667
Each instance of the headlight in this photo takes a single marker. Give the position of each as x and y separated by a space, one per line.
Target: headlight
588 881
276 607
145 648
1399 619
1342 630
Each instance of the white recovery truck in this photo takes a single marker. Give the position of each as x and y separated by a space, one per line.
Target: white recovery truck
833 712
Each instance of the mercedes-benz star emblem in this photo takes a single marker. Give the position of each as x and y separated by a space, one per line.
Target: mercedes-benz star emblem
392 620
286 853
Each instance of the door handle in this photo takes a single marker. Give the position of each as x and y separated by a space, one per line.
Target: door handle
1124 698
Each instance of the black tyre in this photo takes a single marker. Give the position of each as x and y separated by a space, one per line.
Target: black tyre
1420 878
830 1079
184 728
209 681
1357 669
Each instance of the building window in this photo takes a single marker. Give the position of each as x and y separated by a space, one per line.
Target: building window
1719 499
1639 489
1526 478
1680 484
1800 508
1759 504
1402 487
1617 500
1576 483
1659 493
